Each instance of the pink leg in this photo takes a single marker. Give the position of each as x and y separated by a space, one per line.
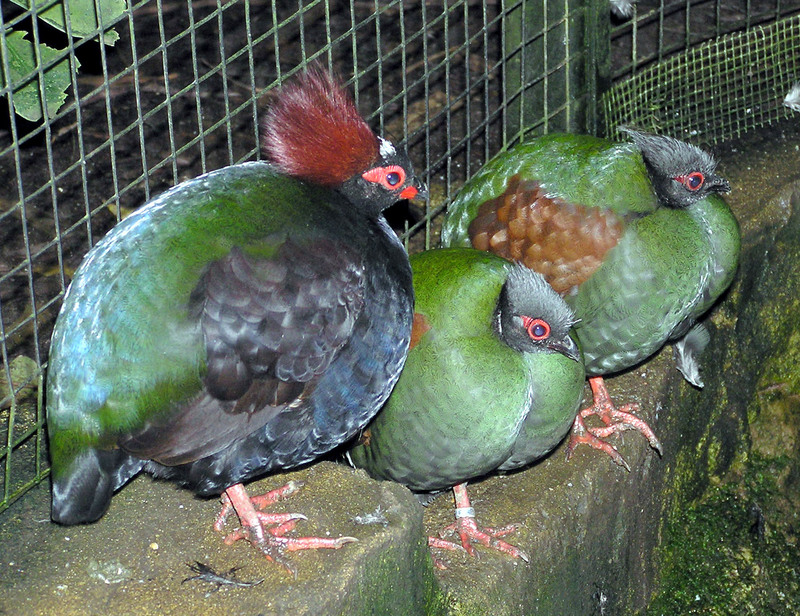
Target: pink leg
272 541
468 530
259 502
615 420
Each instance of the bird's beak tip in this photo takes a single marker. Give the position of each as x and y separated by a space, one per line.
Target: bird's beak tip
723 186
569 349
417 192
410 192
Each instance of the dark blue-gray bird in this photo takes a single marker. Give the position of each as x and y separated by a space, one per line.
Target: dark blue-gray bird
246 321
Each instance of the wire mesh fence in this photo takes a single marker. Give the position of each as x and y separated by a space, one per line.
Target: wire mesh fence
89 131
657 29
714 91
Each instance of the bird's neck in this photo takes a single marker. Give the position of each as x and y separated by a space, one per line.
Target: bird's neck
365 197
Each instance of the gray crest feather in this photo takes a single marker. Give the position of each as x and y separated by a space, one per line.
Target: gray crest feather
671 162
670 155
529 293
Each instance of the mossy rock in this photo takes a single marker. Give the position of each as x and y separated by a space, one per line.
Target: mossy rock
733 550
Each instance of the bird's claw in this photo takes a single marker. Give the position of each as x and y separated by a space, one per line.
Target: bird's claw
268 544
614 419
582 434
260 502
267 531
442 544
468 531
315 543
273 544
626 420
283 523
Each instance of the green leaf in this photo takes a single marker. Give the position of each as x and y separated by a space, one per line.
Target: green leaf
82 17
22 63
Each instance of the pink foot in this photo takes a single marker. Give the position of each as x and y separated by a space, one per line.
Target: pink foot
468 530
270 541
615 420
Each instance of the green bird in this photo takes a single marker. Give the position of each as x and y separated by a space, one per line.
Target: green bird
492 382
633 234
246 321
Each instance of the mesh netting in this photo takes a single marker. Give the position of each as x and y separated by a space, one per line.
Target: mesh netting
714 91
180 93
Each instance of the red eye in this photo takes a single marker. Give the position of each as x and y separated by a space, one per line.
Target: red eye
537 328
389 177
694 181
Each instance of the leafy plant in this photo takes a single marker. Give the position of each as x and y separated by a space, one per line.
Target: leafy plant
22 59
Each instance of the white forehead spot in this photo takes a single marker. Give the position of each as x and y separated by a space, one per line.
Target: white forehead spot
386 148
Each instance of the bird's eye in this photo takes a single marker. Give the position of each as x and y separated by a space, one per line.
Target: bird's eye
389 177
537 329
694 181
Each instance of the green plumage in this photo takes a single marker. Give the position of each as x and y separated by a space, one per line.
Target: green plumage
139 366
673 259
578 168
232 326
467 403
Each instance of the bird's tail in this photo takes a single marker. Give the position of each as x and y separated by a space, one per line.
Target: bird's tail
83 493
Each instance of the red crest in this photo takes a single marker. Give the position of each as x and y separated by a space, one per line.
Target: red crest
313 131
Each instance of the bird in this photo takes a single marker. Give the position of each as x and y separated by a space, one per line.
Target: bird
633 234
245 321
492 383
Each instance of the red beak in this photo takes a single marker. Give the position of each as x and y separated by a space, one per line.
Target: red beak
408 192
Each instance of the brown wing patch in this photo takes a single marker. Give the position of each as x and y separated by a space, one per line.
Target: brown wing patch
562 241
365 438
419 328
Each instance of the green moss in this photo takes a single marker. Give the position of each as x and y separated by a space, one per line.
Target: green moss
733 548
729 552
388 591
782 369
714 449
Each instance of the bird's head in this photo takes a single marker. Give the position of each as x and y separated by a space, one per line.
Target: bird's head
313 131
681 173
531 317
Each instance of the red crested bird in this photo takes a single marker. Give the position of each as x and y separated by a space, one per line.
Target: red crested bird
246 321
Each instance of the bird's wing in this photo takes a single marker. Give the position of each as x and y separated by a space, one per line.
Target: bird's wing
577 168
563 241
272 325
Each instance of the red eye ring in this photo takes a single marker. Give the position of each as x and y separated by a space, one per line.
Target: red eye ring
390 177
693 181
538 329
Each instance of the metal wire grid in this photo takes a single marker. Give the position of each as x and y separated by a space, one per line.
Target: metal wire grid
179 94
557 64
714 91
659 28
539 75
